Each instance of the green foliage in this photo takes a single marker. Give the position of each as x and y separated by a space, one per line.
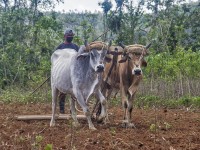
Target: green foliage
169 67
152 128
21 95
48 147
167 125
115 101
29 36
26 49
87 29
106 5
113 131
152 100
147 101
188 101
160 126
37 142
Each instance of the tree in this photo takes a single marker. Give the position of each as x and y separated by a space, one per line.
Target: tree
106 5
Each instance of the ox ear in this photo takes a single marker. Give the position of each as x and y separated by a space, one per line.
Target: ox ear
124 59
82 55
107 59
122 45
144 63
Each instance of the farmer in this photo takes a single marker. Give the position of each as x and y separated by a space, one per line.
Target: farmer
68 36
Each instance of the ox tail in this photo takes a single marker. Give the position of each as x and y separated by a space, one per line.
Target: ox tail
77 109
76 104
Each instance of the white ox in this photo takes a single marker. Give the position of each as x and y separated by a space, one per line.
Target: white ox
79 75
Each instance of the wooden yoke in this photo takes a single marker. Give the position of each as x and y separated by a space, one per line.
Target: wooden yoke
96 45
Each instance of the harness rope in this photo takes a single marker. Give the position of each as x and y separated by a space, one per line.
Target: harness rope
114 62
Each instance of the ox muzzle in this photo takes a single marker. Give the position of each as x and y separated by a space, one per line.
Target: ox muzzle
99 68
137 70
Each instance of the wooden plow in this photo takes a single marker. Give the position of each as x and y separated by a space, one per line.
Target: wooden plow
47 117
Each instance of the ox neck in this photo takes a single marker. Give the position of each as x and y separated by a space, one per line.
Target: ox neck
91 73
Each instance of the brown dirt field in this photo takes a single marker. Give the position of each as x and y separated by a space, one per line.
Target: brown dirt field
177 129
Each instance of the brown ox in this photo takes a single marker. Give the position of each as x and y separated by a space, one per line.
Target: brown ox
125 76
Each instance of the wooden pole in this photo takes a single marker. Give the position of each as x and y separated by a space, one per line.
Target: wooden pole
40 85
47 117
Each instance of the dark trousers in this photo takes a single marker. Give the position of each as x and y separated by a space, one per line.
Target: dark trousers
62 98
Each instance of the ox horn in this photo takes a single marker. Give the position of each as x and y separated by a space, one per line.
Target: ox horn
122 45
107 57
125 57
110 43
86 45
149 45
124 48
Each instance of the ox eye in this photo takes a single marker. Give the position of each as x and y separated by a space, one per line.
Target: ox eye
104 52
92 54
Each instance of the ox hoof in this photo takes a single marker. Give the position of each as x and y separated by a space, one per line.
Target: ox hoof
106 120
92 128
131 125
52 124
125 124
100 119
76 124
103 120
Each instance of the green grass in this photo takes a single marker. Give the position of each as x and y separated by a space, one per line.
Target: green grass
151 100
24 95
11 95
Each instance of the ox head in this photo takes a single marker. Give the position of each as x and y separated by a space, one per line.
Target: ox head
134 54
97 59
96 56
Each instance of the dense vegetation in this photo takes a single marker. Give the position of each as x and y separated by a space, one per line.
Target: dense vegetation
29 34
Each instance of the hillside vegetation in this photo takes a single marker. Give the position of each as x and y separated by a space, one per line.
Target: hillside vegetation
29 35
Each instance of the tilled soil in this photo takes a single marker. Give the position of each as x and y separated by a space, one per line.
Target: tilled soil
170 129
